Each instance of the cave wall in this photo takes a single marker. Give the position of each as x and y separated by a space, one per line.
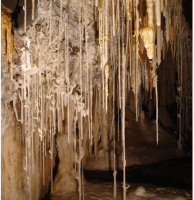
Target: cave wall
12 161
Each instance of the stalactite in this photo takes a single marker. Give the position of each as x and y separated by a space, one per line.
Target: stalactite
96 126
137 59
114 137
50 22
119 71
159 44
106 54
158 22
33 9
25 15
113 17
80 24
118 118
104 134
123 124
156 89
91 97
131 35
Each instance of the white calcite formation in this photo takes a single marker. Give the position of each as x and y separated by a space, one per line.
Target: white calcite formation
147 34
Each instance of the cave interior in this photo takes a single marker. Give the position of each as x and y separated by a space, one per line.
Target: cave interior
96 99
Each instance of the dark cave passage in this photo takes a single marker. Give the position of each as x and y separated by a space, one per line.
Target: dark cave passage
167 173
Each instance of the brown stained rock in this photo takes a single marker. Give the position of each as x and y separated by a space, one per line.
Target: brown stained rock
7 35
143 55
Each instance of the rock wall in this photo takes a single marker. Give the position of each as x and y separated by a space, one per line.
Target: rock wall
13 162
12 159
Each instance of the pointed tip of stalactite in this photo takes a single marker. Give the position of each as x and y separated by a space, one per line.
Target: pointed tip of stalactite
32 15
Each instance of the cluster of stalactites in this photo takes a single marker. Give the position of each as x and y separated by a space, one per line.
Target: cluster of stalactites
140 34
127 34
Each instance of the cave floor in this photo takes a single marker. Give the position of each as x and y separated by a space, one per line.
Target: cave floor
99 190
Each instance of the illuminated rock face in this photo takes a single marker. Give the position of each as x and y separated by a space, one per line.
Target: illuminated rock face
77 67
148 34
11 157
